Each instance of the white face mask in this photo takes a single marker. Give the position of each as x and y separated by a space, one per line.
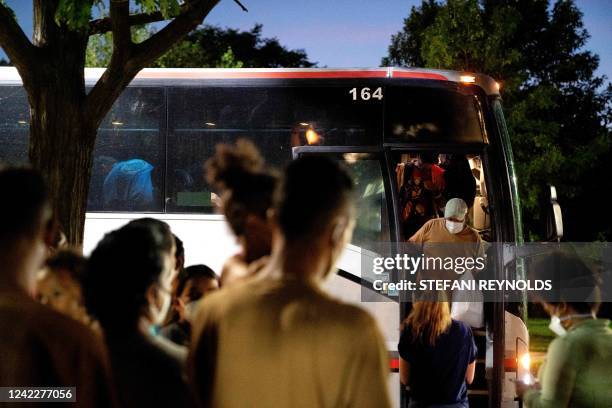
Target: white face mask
556 327
454 227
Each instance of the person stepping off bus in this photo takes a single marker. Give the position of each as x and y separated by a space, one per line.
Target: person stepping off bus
279 340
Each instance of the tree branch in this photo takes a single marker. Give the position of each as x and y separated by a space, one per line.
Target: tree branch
122 35
103 25
241 6
121 71
155 46
45 31
15 43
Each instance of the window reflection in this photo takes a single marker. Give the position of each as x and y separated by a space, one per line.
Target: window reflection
129 157
274 118
14 125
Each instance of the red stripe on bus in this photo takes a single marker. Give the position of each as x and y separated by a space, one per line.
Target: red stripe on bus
418 75
394 364
510 364
263 74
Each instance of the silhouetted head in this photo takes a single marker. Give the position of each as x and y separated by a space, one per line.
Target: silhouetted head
246 188
60 284
129 277
193 284
314 205
25 226
575 286
426 158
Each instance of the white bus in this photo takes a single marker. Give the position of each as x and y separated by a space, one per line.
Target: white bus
168 121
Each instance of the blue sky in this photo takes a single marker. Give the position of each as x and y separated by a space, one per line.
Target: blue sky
351 33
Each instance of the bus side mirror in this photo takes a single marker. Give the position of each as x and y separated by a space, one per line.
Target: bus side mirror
554 218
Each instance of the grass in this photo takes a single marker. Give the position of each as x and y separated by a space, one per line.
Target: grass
539 334
540 337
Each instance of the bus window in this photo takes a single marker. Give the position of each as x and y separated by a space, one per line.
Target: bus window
14 125
372 221
432 115
274 118
129 160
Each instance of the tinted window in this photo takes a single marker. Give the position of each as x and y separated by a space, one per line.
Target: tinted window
428 114
372 219
276 119
129 159
14 125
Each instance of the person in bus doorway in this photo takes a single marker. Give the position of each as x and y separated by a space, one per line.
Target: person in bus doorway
437 355
452 237
127 288
458 179
194 283
38 345
449 236
577 370
421 183
279 340
246 188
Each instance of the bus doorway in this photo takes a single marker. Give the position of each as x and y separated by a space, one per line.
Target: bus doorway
424 181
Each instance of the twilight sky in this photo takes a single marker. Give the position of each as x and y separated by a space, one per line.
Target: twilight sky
350 33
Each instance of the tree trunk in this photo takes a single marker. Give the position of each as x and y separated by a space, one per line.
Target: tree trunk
61 147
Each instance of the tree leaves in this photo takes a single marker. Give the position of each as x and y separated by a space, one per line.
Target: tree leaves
558 113
210 46
76 14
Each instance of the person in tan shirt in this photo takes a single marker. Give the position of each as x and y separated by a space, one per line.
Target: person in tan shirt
40 347
449 237
279 340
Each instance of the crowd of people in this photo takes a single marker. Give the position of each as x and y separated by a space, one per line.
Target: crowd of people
131 326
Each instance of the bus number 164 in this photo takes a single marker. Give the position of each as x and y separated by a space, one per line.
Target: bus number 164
365 94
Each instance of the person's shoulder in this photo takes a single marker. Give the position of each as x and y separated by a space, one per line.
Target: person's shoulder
227 298
59 328
434 224
460 328
468 230
345 313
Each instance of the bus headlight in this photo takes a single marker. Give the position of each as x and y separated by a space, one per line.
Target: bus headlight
524 362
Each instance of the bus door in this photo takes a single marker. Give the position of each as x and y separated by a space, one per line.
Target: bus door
376 227
423 178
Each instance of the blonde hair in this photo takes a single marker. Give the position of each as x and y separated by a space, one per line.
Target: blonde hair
428 319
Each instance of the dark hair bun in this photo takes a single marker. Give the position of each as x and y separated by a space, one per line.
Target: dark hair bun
233 165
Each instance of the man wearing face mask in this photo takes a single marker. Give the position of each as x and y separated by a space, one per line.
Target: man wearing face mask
452 229
452 237
578 365
278 340
127 288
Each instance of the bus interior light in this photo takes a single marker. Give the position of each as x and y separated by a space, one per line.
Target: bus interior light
117 123
304 124
468 79
210 124
22 122
312 137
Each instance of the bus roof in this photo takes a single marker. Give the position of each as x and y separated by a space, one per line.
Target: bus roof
10 75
